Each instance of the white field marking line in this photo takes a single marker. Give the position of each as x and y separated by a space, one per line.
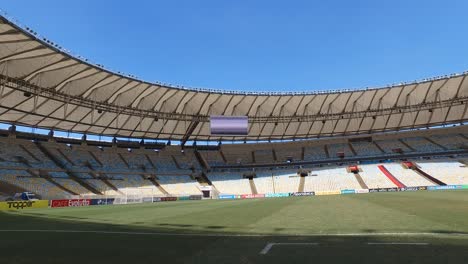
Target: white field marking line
462 235
399 243
268 246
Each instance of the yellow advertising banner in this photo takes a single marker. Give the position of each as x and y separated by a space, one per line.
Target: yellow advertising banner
20 205
327 192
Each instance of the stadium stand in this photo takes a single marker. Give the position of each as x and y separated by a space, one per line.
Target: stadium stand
374 177
34 184
213 158
230 183
406 176
117 171
421 144
334 149
389 145
315 153
264 182
286 181
391 177
330 179
448 171
450 141
377 128
179 185
366 149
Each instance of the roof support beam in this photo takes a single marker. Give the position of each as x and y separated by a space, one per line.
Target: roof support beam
189 132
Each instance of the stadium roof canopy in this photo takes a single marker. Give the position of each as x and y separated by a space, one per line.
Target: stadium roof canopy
43 86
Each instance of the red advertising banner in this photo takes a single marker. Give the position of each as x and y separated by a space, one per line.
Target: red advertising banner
70 203
167 199
250 196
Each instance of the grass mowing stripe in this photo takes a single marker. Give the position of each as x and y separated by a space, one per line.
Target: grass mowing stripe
389 234
399 243
269 246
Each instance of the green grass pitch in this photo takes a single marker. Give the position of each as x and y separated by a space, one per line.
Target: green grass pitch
403 227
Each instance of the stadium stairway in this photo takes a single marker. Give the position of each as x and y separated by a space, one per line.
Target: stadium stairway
29 153
253 188
68 172
203 180
10 189
352 149
406 145
379 147
326 151
103 177
391 177
435 143
123 160
65 157
301 184
360 181
42 174
428 177
201 160
95 158
158 185
47 177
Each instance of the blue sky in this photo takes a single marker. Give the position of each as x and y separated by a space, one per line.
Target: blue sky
260 45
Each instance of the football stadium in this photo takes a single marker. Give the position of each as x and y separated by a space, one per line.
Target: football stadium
188 175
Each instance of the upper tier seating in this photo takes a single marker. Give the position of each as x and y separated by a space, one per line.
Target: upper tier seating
314 153
366 149
333 149
389 145
264 156
421 144
238 156
450 141
137 161
283 154
213 157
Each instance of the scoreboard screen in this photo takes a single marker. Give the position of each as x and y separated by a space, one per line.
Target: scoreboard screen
229 125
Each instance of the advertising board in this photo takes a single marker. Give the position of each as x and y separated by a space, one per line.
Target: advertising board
271 195
302 194
362 190
252 196
102 201
447 187
70 203
224 196
327 192
20 205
